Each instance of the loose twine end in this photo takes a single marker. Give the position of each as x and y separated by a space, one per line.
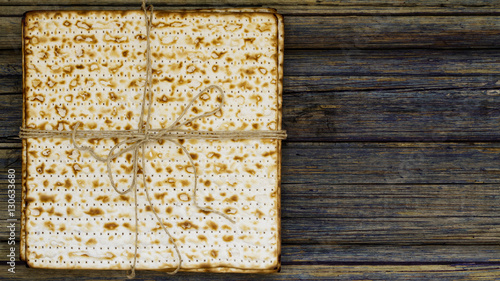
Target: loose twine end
131 273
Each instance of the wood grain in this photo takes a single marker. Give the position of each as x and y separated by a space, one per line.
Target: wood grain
12 84
362 163
316 9
400 95
361 32
384 115
290 272
355 62
379 201
461 207
316 254
391 169
385 230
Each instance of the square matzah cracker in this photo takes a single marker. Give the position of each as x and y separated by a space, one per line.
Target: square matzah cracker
89 67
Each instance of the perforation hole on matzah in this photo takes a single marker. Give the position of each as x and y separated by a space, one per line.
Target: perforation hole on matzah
89 67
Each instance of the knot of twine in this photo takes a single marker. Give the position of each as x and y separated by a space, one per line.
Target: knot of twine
137 140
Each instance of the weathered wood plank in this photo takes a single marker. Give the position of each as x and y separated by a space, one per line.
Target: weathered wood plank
361 32
339 208
351 70
383 115
11 63
337 83
394 231
434 115
361 163
363 195
390 201
353 62
12 84
388 32
297 254
415 163
287 9
331 111
288 272
391 62
371 201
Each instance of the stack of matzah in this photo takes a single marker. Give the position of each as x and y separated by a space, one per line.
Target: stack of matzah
89 67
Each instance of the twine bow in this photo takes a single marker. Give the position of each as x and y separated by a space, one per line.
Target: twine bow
137 140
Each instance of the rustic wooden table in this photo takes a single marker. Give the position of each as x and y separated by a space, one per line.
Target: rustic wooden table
392 166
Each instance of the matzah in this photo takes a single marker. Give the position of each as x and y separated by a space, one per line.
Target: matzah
89 67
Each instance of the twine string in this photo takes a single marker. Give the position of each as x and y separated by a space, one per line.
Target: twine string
153 134
136 140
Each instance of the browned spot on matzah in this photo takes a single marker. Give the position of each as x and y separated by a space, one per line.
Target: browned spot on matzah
259 214
268 153
230 211
67 183
94 212
161 195
250 171
103 198
227 238
49 225
40 169
187 225
184 197
127 225
48 198
212 225
123 198
213 154
214 253
91 242
39 209
110 225
220 168
88 39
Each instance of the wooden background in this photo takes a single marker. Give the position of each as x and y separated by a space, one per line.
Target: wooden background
392 166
